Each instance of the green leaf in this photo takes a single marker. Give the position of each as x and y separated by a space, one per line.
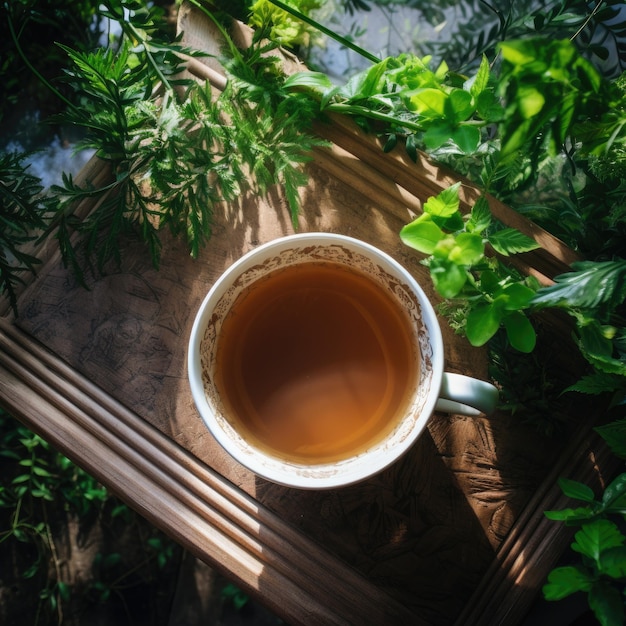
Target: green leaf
598 349
576 490
614 496
469 249
366 83
564 581
596 536
590 285
458 106
613 562
314 81
571 516
422 234
599 383
516 296
607 603
520 332
480 217
482 323
489 107
467 138
530 101
448 278
428 102
438 133
614 434
481 80
489 282
511 241
445 203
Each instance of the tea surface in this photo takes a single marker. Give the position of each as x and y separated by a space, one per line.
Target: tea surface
316 362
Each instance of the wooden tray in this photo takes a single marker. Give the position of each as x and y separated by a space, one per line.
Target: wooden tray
452 533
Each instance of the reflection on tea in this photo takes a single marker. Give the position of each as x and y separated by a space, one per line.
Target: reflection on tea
316 362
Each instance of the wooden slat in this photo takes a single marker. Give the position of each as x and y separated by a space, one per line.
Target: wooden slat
535 544
202 511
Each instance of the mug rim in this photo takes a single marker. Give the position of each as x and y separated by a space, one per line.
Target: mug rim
332 474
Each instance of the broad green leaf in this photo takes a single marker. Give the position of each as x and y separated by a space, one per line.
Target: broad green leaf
516 296
520 332
489 282
598 349
613 562
614 434
365 83
466 138
458 106
469 249
518 52
530 101
489 107
448 278
422 234
564 581
438 133
445 203
614 496
428 102
314 81
596 536
607 604
482 323
576 490
511 241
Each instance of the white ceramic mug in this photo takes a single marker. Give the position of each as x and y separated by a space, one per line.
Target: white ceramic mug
435 388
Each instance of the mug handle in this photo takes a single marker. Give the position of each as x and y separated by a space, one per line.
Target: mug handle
466 396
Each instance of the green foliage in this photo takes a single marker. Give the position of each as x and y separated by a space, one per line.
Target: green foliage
37 25
460 268
594 294
284 28
601 546
22 212
548 88
483 25
238 598
36 482
600 542
248 129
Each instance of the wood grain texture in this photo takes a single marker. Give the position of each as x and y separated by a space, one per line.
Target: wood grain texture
453 532
186 499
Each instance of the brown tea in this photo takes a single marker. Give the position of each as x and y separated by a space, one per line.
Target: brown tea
316 362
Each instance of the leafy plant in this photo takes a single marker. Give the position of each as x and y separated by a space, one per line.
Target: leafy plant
36 484
600 543
238 598
281 26
22 213
248 135
460 268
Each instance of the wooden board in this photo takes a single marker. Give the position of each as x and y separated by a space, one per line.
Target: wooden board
453 532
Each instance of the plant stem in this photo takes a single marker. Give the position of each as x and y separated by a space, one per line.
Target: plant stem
28 64
326 31
589 18
350 109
